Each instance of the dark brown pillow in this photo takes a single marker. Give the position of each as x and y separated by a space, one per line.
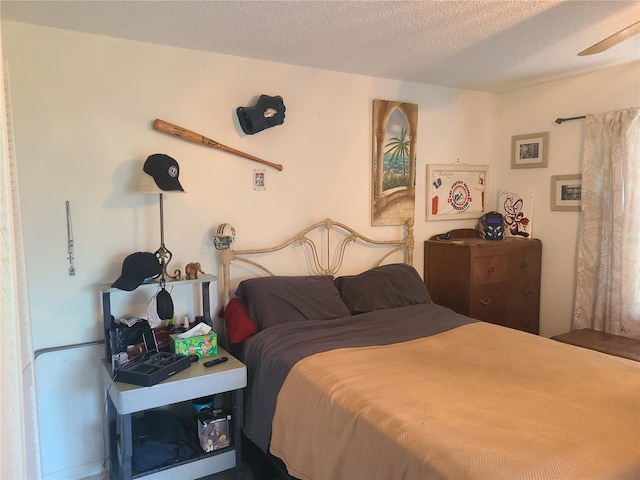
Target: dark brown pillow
388 286
274 300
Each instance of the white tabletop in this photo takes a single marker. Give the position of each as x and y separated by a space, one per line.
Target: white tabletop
194 382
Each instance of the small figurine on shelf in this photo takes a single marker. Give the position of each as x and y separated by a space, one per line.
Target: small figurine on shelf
192 269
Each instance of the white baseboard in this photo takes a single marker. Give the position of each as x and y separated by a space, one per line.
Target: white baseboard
88 471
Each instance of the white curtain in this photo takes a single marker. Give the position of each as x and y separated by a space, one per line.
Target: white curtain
608 277
20 457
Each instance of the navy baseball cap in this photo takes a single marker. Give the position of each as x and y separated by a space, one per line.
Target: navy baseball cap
164 170
136 268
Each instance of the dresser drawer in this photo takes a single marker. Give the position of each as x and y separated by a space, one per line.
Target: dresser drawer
514 304
505 267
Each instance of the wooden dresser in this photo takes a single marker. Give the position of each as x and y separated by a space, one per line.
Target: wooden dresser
496 281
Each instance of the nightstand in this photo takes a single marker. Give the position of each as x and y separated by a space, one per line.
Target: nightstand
124 400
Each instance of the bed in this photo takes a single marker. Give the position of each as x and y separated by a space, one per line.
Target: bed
359 375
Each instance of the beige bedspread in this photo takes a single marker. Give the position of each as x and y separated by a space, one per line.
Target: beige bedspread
480 401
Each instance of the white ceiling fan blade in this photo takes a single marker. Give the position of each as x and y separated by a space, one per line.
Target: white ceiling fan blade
614 39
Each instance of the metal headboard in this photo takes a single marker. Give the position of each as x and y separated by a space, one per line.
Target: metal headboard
333 261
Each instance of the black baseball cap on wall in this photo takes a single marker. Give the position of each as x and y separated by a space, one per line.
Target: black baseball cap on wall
136 268
164 170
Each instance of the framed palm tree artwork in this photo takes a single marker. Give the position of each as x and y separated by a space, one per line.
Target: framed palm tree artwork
393 164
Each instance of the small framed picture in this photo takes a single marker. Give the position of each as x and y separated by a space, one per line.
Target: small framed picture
258 179
566 193
530 151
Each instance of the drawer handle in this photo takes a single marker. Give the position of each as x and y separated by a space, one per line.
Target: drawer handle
528 294
491 270
523 265
485 302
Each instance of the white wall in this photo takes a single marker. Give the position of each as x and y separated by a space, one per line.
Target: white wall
534 110
83 107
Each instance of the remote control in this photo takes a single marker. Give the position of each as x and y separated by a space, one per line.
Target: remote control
215 361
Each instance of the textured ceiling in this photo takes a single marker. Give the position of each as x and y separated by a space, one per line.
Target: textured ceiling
493 46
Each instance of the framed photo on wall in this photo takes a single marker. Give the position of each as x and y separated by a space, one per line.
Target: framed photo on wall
456 191
530 151
566 193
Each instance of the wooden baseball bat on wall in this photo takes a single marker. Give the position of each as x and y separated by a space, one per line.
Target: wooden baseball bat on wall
193 137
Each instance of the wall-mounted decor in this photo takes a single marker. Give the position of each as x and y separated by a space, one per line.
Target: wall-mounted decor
266 113
566 192
259 179
194 137
393 190
530 151
516 206
456 191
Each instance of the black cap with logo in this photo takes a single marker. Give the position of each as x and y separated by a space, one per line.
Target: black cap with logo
164 170
136 268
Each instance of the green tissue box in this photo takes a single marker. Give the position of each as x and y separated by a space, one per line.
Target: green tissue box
200 345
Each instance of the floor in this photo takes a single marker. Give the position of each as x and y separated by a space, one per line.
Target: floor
233 474
265 471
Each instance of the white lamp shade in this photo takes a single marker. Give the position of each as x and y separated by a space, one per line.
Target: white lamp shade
148 185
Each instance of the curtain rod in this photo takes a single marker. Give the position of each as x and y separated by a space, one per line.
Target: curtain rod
560 120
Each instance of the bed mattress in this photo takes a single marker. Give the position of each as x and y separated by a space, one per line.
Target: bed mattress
422 392
474 402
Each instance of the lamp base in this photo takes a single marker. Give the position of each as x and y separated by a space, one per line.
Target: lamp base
164 255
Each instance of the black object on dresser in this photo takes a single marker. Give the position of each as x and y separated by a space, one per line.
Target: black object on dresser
496 281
